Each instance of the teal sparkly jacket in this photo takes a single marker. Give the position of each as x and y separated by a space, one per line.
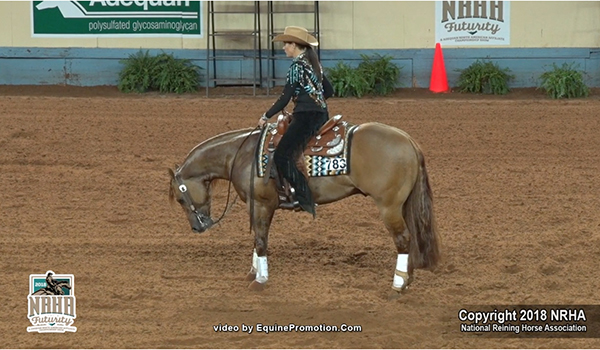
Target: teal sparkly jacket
302 86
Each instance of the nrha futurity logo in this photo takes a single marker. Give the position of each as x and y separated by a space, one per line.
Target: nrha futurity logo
51 303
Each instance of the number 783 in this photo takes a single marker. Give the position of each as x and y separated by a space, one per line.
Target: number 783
335 163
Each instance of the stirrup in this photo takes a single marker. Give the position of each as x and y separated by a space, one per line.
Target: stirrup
287 199
295 206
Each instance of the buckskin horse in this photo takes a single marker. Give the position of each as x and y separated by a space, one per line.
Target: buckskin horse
378 160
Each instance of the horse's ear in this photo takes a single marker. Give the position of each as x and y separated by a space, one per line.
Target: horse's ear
171 173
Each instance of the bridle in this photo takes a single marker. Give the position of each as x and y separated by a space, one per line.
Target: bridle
206 220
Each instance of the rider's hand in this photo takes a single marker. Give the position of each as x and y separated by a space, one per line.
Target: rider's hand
262 121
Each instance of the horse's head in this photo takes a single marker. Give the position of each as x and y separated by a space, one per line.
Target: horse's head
194 198
46 4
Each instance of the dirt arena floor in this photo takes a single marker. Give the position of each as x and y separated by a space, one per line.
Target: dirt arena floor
84 189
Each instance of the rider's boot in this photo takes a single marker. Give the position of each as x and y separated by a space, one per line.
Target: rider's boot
287 197
308 207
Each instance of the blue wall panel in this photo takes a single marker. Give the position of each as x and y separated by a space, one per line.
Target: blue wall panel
94 66
592 67
92 71
32 71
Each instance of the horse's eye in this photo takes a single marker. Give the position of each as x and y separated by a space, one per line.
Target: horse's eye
180 201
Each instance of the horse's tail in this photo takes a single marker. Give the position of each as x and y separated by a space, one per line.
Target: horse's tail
418 213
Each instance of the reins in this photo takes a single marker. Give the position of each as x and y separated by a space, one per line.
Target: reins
227 206
252 174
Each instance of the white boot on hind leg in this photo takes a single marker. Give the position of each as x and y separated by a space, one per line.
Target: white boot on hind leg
262 269
262 274
401 278
251 276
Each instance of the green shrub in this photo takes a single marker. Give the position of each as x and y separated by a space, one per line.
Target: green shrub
374 75
347 81
138 73
380 73
484 77
163 72
564 82
176 75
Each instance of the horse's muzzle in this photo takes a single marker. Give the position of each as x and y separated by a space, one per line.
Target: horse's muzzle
200 229
199 222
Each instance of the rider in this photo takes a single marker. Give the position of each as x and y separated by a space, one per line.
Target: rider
308 88
52 285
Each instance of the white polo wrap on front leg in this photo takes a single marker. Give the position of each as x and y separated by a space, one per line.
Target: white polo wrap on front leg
401 275
262 269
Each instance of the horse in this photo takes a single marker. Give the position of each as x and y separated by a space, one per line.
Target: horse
68 9
386 164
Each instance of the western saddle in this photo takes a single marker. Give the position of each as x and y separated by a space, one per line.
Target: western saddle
327 142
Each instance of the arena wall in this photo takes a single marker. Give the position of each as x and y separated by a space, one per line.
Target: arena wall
541 33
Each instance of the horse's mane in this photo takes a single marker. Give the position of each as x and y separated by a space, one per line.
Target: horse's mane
226 136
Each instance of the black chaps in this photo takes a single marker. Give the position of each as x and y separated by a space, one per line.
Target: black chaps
303 126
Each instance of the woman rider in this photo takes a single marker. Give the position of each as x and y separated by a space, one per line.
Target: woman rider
308 88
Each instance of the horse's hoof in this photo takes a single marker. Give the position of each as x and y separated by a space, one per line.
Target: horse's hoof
256 286
405 279
251 276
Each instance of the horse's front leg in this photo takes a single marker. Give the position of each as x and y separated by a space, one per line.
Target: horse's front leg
259 272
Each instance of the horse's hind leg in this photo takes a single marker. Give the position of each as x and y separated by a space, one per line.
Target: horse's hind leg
391 213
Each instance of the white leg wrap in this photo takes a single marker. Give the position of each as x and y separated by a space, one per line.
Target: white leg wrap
262 269
254 263
402 266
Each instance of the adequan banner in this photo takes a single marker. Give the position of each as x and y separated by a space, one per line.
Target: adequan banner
116 18
472 23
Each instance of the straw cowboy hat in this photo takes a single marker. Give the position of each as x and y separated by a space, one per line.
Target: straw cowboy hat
297 35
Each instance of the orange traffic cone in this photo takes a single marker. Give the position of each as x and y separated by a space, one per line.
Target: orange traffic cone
439 80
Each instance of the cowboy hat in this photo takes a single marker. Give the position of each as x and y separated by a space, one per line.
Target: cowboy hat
297 35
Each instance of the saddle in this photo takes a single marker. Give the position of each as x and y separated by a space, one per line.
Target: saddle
325 143
328 141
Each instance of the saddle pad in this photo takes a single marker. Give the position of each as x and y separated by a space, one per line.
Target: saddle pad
316 165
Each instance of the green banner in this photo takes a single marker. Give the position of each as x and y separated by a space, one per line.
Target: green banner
116 18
